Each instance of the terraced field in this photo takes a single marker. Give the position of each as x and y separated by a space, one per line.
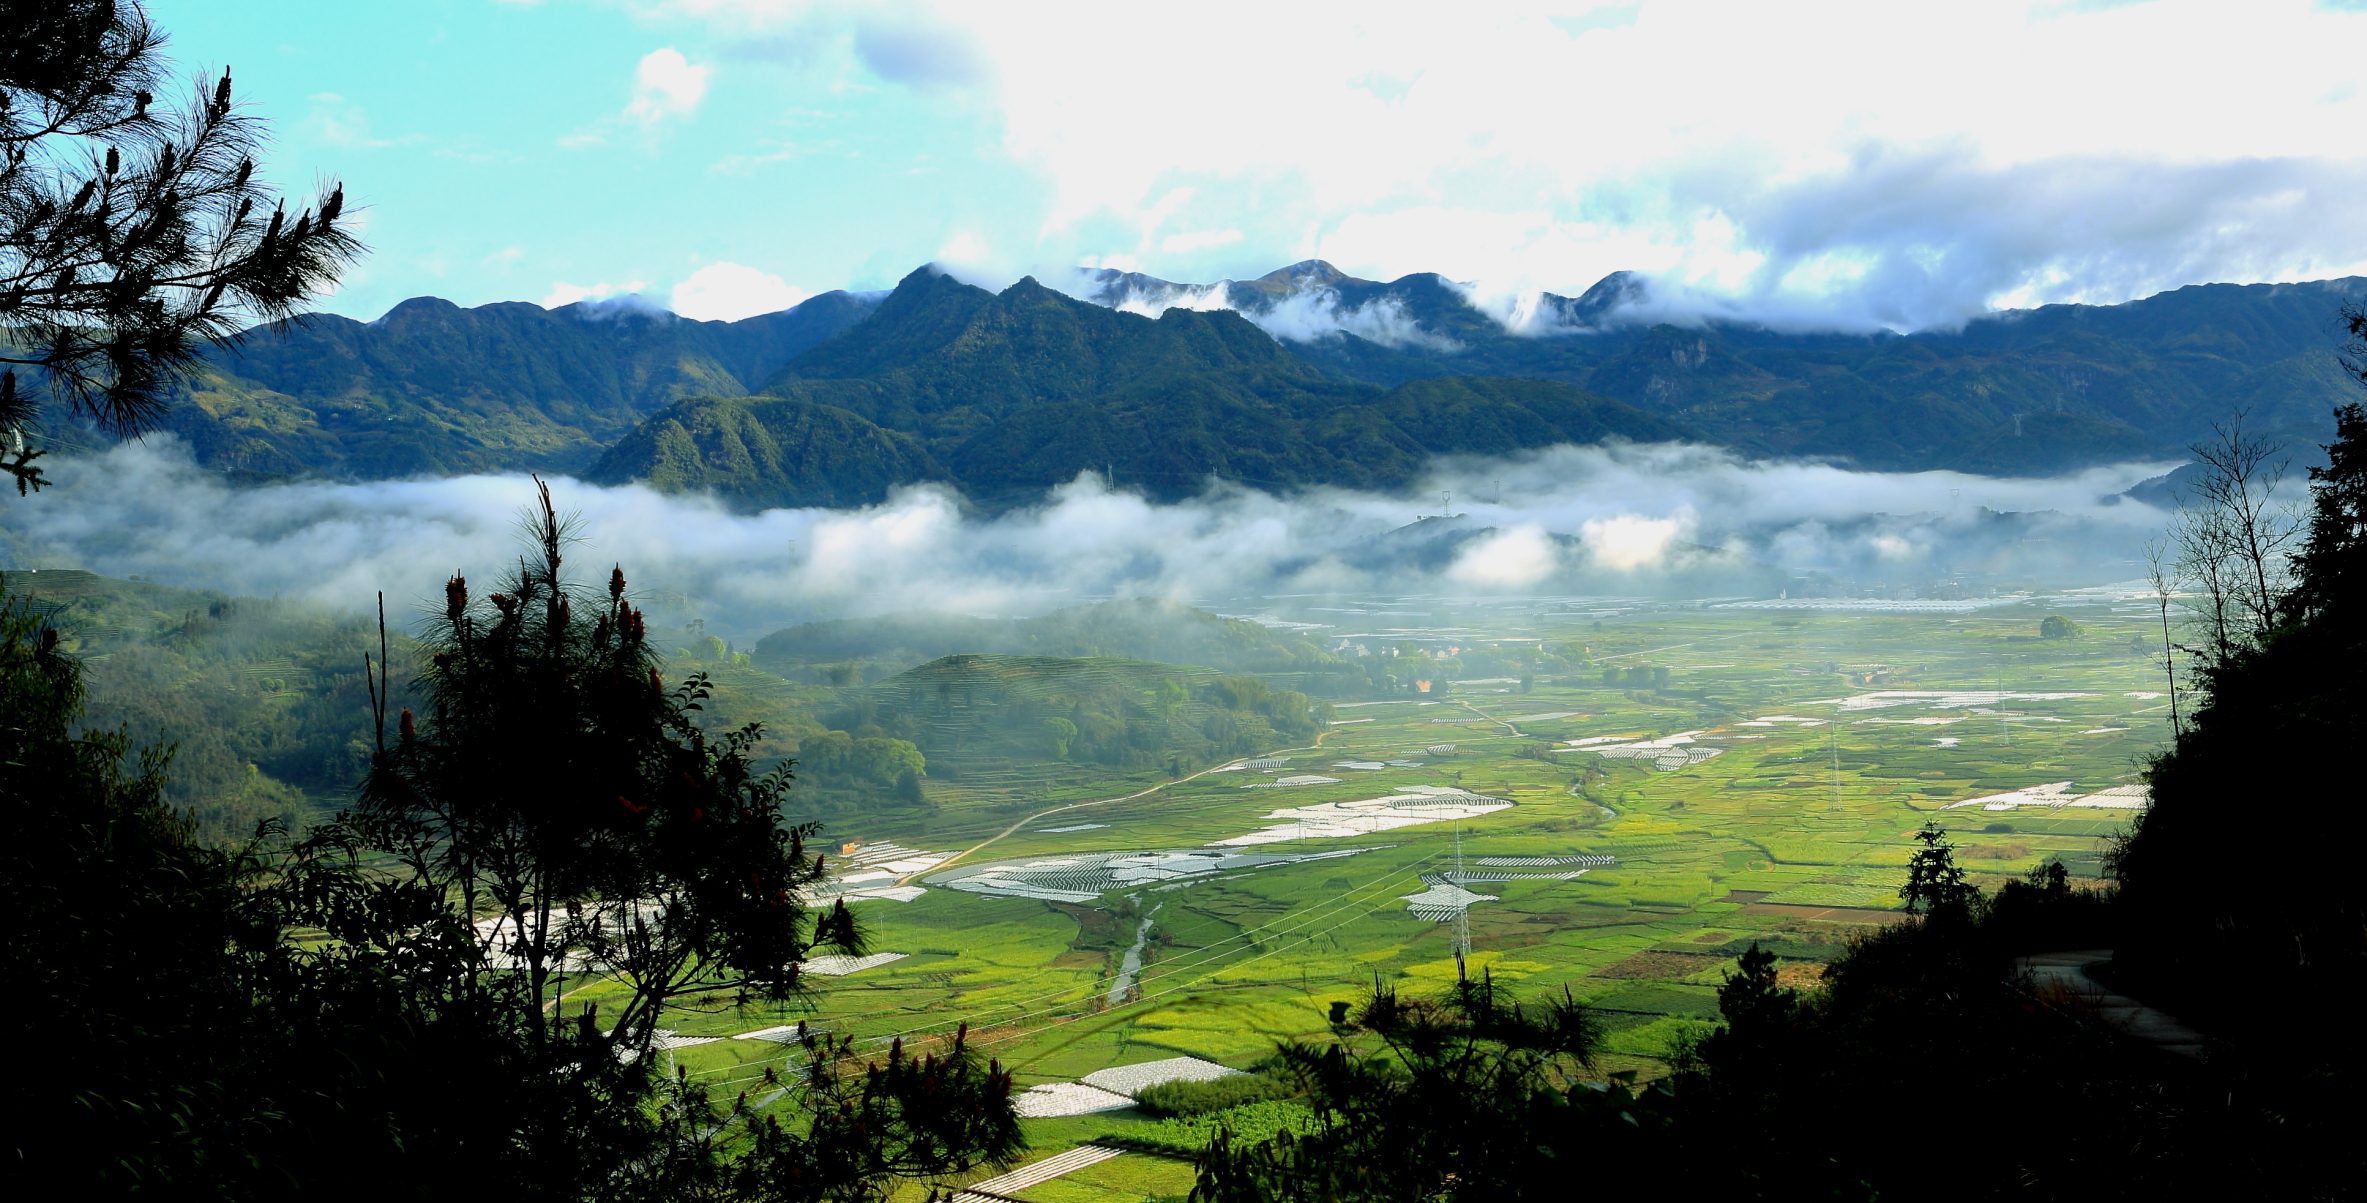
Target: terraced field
1766 792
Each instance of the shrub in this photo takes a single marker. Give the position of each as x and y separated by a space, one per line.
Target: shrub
1221 1094
1249 1123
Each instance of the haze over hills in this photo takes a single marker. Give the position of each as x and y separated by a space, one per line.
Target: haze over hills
1305 376
1017 392
431 388
2106 382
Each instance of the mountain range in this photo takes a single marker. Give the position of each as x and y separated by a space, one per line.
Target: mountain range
1302 377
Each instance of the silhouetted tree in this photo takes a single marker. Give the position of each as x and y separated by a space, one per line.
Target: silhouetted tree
1935 884
130 234
1470 1097
558 817
2330 570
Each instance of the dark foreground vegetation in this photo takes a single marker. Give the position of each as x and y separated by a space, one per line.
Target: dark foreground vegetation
1929 1063
380 1006
393 985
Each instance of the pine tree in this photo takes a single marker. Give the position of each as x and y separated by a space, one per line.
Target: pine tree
557 818
131 235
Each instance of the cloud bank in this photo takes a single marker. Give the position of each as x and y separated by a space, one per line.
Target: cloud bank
1891 164
1606 520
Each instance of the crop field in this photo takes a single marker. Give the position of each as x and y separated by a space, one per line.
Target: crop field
1626 842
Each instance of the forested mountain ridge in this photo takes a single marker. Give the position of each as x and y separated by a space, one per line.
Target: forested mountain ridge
1004 395
434 388
1015 392
2105 382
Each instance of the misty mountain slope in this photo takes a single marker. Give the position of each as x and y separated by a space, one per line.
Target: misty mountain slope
950 359
1020 391
432 388
1138 629
767 452
2146 377
978 712
1005 394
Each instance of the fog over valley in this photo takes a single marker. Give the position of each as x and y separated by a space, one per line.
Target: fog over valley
1666 520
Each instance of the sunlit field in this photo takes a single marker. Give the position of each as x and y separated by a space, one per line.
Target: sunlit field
1623 842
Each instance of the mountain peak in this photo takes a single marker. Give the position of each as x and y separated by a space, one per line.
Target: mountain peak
1306 273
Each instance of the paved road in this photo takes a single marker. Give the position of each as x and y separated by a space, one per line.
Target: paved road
2069 971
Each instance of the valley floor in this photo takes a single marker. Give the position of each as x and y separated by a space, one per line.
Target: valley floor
1768 793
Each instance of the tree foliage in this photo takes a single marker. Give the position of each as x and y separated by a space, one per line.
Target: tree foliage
1470 1096
395 984
558 815
131 234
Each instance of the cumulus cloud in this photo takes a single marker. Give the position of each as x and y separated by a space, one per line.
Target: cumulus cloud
1570 520
666 86
1627 541
1313 314
728 292
1877 163
564 293
1513 559
1305 314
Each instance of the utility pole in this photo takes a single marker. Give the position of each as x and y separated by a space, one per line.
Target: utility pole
1462 934
2003 731
1833 742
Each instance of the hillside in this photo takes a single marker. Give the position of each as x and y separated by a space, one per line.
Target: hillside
1018 391
261 702
1310 377
970 712
2145 377
434 388
1139 629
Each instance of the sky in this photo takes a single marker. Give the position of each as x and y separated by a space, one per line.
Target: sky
1839 165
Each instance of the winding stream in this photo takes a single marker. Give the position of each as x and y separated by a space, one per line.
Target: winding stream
1131 967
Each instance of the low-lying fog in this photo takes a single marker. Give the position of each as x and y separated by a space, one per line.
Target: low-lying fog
1664 519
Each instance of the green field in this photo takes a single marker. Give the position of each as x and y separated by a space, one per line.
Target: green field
1796 834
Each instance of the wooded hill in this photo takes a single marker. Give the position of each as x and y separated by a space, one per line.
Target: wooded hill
432 388
844 397
2022 391
1010 394
1131 629
972 712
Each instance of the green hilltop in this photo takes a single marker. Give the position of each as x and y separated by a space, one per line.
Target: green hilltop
975 712
844 398
1015 392
1137 629
435 388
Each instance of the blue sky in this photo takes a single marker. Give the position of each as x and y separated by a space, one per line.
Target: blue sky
1839 164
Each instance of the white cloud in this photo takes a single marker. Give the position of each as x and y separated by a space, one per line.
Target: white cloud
666 85
1861 163
1629 541
728 292
339 122
1510 559
143 508
563 293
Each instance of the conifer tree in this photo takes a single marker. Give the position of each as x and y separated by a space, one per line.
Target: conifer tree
560 823
132 232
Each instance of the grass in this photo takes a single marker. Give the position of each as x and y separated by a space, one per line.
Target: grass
1185 1136
1760 843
